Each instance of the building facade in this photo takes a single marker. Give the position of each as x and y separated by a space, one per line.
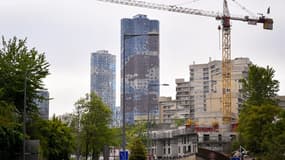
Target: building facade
167 110
206 90
140 45
173 143
183 97
103 78
171 113
43 104
216 141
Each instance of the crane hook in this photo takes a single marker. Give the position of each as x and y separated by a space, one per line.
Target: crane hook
219 28
268 10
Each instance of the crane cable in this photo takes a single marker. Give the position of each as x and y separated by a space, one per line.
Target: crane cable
244 8
186 2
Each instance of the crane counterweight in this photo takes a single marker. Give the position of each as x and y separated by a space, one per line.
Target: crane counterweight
267 23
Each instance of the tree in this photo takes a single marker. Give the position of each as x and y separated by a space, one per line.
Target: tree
76 123
136 130
95 132
254 122
10 132
137 149
57 141
261 126
17 65
275 138
179 122
260 87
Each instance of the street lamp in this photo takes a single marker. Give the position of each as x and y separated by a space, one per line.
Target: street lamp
125 37
24 116
149 151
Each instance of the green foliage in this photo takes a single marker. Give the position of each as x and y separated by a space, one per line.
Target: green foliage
262 122
274 140
138 130
235 145
179 122
17 65
254 123
260 87
60 140
138 150
95 119
116 134
55 137
8 115
10 132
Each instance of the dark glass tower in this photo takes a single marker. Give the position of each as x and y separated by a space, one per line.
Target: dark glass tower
43 104
103 78
140 44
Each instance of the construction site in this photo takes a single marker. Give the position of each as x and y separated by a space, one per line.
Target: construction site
209 102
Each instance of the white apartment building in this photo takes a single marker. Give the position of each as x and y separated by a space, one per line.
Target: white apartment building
206 90
183 98
167 110
170 111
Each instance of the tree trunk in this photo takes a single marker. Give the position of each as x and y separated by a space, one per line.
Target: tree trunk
93 154
87 150
106 152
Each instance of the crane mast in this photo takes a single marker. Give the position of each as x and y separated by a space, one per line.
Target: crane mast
226 65
225 18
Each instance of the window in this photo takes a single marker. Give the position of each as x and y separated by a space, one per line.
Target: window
205 82
233 137
220 137
206 137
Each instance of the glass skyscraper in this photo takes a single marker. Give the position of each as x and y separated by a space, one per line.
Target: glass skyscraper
43 104
103 78
140 44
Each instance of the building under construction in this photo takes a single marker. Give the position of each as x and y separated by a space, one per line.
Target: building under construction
206 91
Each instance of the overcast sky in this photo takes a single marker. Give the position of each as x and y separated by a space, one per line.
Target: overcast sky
69 30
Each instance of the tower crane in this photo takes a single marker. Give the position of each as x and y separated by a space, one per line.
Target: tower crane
225 19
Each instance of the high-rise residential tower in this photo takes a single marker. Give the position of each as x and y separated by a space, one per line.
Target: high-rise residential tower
140 45
103 78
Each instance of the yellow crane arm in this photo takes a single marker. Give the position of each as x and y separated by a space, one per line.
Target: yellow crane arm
268 22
